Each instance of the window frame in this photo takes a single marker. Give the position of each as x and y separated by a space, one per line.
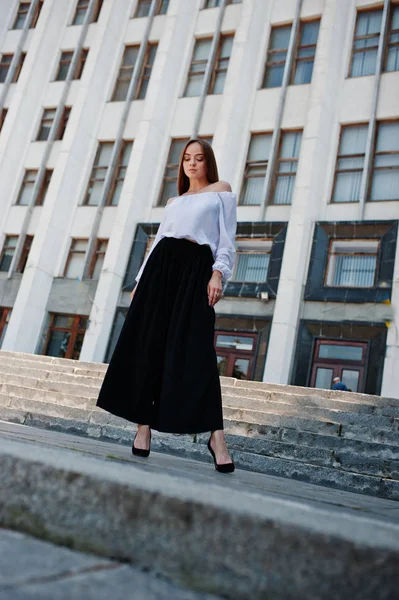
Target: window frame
24 254
35 18
216 66
345 156
75 330
95 15
330 268
359 11
268 63
297 47
254 163
7 246
145 67
96 254
252 246
157 10
116 178
72 251
383 153
279 160
203 61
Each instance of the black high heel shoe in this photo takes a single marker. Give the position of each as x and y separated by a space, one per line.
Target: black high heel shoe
140 451
226 468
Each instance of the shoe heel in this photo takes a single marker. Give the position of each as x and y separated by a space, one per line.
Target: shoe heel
226 468
140 451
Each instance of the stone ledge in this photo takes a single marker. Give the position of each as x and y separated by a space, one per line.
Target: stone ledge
247 544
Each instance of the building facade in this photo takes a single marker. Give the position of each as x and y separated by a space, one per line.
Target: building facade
300 100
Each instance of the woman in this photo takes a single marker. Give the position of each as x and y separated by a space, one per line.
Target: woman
163 372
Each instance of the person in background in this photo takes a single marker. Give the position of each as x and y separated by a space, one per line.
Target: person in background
338 385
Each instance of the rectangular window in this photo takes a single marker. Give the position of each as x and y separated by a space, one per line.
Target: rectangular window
63 67
5 314
45 124
350 163
7 252
305 52
65 336
5 63
25 194
352 263
3 115
196 72
76 257
120 173
255 168
21 15
276 56
252 261
385 178
365 43
143 8
221 64
81 10
290 145
392 57
24 254
65 61
125 73
98 173
146 71
44 187
98 259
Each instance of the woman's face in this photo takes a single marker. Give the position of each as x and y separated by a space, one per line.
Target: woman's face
194 163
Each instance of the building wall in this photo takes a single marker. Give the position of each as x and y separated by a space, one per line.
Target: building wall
319 109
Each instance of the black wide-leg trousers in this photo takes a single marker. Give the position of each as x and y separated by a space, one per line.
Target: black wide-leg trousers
163 371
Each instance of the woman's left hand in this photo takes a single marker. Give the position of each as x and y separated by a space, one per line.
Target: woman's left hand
215 288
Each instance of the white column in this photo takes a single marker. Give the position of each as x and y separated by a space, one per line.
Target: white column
309 193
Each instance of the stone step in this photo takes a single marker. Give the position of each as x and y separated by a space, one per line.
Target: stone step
237 386
306 405
367 429
183 446
343 456
28 377
308 420
248 542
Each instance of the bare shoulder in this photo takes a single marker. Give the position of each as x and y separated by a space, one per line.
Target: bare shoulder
221 186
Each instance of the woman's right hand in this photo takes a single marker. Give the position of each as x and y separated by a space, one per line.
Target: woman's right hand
133 292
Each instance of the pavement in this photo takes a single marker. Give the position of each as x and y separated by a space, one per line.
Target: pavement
241 480
170 526
31 569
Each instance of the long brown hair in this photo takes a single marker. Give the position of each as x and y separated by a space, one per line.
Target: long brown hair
183 181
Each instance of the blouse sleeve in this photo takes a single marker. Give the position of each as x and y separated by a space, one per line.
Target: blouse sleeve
154 243
226 250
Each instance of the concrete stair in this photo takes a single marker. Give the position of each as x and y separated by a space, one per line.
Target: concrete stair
339 439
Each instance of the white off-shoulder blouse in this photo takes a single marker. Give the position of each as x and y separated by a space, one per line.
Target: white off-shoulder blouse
208 218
